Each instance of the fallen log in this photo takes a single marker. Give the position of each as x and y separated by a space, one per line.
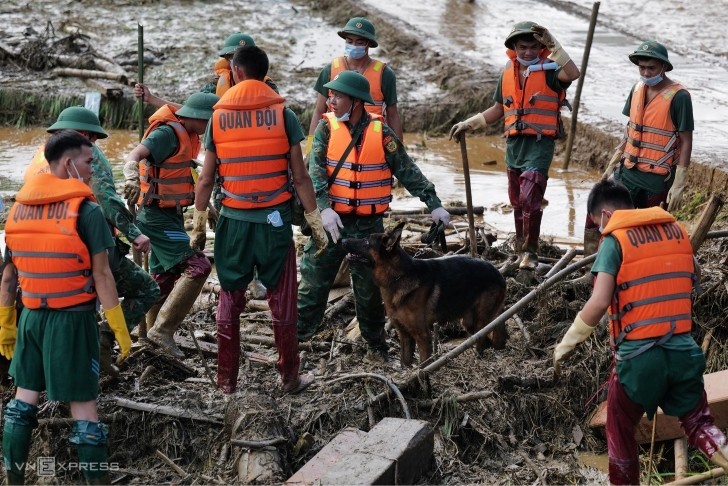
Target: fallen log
705 221
107 91
259 444
270 342
467 397
89 73
342 304
453 210
166 410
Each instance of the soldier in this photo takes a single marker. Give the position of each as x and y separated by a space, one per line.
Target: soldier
159 179
137 287
353 190
55 347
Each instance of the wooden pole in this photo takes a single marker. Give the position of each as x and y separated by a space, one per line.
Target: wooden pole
707 218
681 457
468 196
580 84
140 75
700 478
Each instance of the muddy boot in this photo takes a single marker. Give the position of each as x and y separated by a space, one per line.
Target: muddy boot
151 316
20 420
90 440
519 242
173 312
532 230
106 344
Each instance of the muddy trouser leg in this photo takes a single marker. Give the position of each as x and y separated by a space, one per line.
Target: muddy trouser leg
165 282
20 420
514 196
317 277
369 308
138 289
533 187
701 430
624 414
90 439
229 307
282 303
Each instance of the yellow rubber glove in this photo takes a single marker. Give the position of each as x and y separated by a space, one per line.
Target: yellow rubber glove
117 323
577 333
674 197
318 233
8 331
199 229
473 123
309 144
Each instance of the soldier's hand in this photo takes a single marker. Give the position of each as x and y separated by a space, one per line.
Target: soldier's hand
8 331
132 189
117 323
558 54
142 244
199 230
142 91
674 196
332 223
473 123
318 233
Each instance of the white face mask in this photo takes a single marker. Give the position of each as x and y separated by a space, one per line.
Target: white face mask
527 63
78 175
601 222
347 115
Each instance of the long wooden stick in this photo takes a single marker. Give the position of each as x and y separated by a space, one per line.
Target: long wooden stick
468 196
707 217
180 472
165 410
700 478
580 84
387 381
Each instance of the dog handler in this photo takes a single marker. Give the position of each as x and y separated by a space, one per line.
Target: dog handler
353 204
645 273
530 93
57 345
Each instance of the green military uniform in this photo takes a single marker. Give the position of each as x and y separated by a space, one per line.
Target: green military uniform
527 152
679 357
58 351
242 228
643 185
164 226
133 284
318 273
389 84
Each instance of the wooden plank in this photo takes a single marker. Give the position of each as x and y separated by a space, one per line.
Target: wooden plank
668 428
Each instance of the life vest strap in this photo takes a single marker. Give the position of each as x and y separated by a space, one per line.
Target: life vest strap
169 197
171 180
652 300
253 177
659 276
175 165
256 197
45 254
650 345
363 184
527 111
44 296
252 158
358 167
74 273
648 129
646 322
360 202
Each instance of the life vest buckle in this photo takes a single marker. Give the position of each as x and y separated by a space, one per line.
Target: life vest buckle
624 286
356 167
354 184
628 307
520 125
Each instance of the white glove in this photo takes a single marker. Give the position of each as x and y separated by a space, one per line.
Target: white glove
473 123
558 54
440 214
612 165
332 223
674 197
577 333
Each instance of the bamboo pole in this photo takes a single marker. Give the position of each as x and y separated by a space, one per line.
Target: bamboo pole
681 457
468 196
580 84
717 472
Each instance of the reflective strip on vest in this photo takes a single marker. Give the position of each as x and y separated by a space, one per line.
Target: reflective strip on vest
373 73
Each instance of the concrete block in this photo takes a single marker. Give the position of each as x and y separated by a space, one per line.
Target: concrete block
342 445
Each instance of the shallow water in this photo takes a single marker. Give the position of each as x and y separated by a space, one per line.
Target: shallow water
438 158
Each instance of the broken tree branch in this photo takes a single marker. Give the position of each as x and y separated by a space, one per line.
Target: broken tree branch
386 380
259 444
89 73
165 410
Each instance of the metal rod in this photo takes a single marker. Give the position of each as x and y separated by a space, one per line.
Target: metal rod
579 84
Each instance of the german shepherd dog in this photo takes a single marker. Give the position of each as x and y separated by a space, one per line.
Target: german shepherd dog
418 293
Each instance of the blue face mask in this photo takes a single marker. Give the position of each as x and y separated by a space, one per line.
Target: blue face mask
347 115
527 63
355 52
654 80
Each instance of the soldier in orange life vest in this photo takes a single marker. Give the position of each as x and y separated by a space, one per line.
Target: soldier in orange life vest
353 190
530 94
163 181
56 345
645 273
359 35
253 144
652 160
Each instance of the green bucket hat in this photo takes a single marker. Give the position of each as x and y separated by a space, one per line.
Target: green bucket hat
361 27
520 28
234 41
353 84
80 119
199 106
651 49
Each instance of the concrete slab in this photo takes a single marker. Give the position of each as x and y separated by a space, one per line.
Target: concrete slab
342 445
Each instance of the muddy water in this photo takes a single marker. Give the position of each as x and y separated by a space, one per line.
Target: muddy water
438 158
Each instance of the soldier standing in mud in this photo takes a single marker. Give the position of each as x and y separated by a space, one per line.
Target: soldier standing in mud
652 160
530 93
352 200
56 344
359 35
163 187
645 272
253 144
137 287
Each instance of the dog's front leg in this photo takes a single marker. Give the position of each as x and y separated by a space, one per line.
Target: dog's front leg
406 343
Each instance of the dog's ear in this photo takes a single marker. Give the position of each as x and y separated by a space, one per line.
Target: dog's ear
393 236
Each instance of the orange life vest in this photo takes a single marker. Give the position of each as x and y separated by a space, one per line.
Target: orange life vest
363 185
534 109
653 142
225 73
170 183
54 264
373 73
652 297
39 165
249 131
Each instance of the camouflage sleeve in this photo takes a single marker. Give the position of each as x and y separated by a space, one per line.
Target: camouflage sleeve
210 87
404 169
112 206
317 165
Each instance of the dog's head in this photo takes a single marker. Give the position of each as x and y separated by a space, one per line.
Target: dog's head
376 248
